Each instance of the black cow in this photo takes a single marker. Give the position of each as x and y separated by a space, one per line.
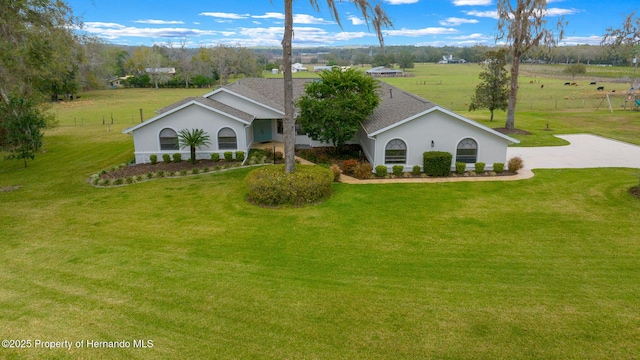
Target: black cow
600 88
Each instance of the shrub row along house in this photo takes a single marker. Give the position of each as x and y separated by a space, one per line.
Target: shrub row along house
250 111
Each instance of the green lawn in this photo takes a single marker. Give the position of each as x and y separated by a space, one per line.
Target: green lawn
542 268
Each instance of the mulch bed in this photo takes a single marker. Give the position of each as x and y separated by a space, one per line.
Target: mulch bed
142 169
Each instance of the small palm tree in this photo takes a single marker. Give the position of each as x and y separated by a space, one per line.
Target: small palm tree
194 139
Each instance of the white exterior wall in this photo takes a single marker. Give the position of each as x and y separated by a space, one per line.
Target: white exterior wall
446 132
368 144
147 138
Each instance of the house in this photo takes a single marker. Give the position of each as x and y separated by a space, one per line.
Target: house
251 111
161 70
298 67
451 60
382 71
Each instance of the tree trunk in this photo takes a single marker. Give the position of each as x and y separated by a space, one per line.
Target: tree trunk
513 94
289 121
193 155
491 119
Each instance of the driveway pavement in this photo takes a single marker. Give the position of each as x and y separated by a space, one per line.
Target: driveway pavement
584 151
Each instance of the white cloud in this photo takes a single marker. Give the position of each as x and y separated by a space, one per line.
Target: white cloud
420 32
581 40
309 20
222 15
453 21
471 2
561 12
269 15
400 2
483 14
356 20
115 31
159 22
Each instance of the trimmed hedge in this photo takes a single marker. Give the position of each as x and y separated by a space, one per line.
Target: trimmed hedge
397 170
498 167
166 158
460 167
437 163
153 159
215 157
239 155
381 171
228 156
272 186
480 167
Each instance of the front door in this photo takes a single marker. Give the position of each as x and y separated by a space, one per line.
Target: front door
262 130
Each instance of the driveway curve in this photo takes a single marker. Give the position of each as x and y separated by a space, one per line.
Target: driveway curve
584 151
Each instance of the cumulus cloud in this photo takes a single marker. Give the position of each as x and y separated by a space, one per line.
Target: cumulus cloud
400 2
453 21
222 15
420 32
269 15
115 31
483 14
159 22
471 2
356 20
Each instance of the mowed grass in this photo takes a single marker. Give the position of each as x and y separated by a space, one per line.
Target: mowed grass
542 268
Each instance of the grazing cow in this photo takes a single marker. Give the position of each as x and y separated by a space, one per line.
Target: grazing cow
600 88
613 90
542 86
574 84
593 83
567 84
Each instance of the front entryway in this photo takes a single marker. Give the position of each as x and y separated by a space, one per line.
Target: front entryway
261 130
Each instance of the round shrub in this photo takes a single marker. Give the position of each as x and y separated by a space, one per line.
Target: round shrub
363 170
515 164
272 186
153 159
381 171
498 167
166 158
416 170
228 156
177 157
460 167
215 157
480 167
239 155
397 170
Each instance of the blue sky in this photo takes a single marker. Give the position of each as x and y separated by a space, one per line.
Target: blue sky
260 22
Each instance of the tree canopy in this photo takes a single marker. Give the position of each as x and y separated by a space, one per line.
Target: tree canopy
523 25
492 92
331 109
39 53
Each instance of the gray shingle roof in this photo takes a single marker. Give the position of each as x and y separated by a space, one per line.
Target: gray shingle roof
212 104
395 105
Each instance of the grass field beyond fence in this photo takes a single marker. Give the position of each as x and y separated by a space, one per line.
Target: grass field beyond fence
545 268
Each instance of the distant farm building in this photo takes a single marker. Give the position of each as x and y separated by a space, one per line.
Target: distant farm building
382 71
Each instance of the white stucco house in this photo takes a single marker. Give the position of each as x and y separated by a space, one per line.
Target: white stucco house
250 111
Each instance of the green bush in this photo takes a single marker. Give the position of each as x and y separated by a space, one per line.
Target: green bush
153 159
460 167
206 169
183 172
149 175
480 167
166 158
118 181
177 157
363 170
498 167
416 170
515 164
129 180
381 171
239 155
160 173
272 186
195 171
397 170
105 182
437 163
228 156
335 169
215 157
139 178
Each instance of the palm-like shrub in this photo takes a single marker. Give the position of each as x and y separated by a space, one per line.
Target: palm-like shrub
193 139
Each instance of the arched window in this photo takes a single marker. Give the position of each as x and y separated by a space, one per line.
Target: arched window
168 139
395 152
227 139
467 151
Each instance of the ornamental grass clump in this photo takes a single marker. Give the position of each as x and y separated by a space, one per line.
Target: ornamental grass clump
272 186
335 169
363 170
515 164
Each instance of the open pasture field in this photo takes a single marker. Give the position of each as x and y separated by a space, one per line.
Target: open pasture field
542 268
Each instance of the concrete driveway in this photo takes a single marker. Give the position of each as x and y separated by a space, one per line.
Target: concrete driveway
584 151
